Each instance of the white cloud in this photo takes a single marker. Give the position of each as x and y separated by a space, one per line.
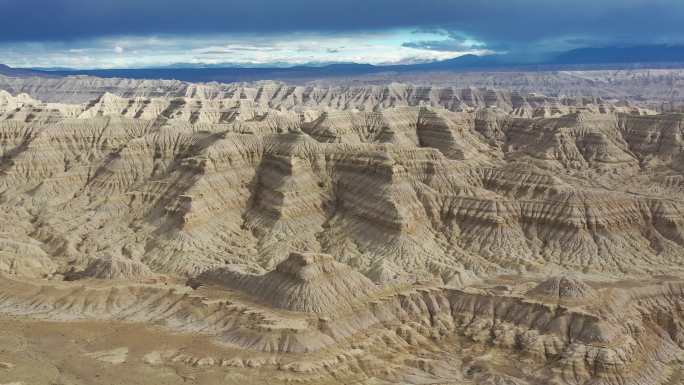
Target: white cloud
386 47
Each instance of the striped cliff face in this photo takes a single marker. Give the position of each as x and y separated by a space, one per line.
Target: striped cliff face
189 183
338 236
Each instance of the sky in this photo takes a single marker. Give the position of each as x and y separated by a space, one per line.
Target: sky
152 33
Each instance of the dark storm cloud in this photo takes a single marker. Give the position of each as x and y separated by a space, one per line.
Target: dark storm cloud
499 23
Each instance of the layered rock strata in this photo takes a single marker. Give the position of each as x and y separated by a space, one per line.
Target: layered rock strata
392 244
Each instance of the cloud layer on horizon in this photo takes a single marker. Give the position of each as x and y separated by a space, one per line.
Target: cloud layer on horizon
253 50
449 27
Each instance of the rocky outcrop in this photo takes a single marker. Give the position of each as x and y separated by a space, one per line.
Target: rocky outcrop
303 282
116 267
389 234
563 288
523 93
188 184
626 335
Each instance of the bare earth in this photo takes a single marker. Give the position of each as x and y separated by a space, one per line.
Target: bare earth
171 233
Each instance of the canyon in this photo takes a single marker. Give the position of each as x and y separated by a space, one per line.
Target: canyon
339 234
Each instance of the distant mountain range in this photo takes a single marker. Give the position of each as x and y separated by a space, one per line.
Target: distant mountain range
621 55
19 72
660 56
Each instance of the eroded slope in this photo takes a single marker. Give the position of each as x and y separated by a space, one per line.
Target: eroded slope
440 228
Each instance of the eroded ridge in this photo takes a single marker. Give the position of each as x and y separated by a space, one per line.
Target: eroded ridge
352 241
621 333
